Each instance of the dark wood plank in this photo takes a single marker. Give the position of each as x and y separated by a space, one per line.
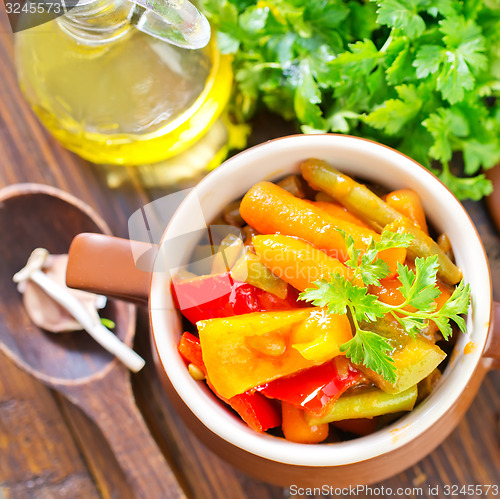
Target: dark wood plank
97 454
38 458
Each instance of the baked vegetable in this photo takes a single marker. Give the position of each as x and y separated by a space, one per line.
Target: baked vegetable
325 311
380 215
368 404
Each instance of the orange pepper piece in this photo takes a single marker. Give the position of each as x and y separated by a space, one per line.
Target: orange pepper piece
296 261
388 292
409 204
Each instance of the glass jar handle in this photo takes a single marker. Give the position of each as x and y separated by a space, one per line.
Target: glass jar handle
177 22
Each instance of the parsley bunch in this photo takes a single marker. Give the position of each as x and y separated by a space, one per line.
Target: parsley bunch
419 291
422 76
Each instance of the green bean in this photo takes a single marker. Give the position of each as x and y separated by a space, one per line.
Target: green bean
423 245
357 198
368 404
362 202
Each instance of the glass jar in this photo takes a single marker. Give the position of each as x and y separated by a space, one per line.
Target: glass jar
119 84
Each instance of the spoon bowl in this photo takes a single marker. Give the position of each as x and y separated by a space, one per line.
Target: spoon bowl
36 215
33 216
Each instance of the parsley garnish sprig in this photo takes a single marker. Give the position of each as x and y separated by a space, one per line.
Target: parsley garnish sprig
418 288
418 75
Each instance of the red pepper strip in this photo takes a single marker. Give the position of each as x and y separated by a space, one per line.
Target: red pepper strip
257 411
189 347
315 388
214 296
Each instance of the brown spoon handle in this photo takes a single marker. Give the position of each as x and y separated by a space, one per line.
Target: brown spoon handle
110 403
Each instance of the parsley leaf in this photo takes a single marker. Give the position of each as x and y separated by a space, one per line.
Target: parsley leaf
466 187
457 304
402 14
395 113
372 272
477 153
446 126
367 266
419 290
464 56
370 350
338 295
412 325
421 76
428 60
333 294
444 326
389 239
354 254
365 306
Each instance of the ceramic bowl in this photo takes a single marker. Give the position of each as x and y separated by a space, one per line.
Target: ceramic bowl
360 461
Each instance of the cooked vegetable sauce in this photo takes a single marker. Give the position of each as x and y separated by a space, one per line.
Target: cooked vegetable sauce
267 330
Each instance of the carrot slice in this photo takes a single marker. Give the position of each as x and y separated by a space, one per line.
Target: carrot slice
271 210
297 429
337 210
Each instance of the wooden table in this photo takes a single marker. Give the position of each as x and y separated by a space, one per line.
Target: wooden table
48 448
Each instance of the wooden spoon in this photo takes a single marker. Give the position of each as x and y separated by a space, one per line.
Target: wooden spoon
75 365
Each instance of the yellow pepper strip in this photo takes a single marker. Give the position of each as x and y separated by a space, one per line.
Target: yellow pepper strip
319 337
296 261
245 351
368 404
230 249
413 362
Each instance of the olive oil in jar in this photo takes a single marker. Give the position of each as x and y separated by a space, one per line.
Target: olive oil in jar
117 95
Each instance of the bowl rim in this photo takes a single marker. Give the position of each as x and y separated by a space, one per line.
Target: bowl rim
227 426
